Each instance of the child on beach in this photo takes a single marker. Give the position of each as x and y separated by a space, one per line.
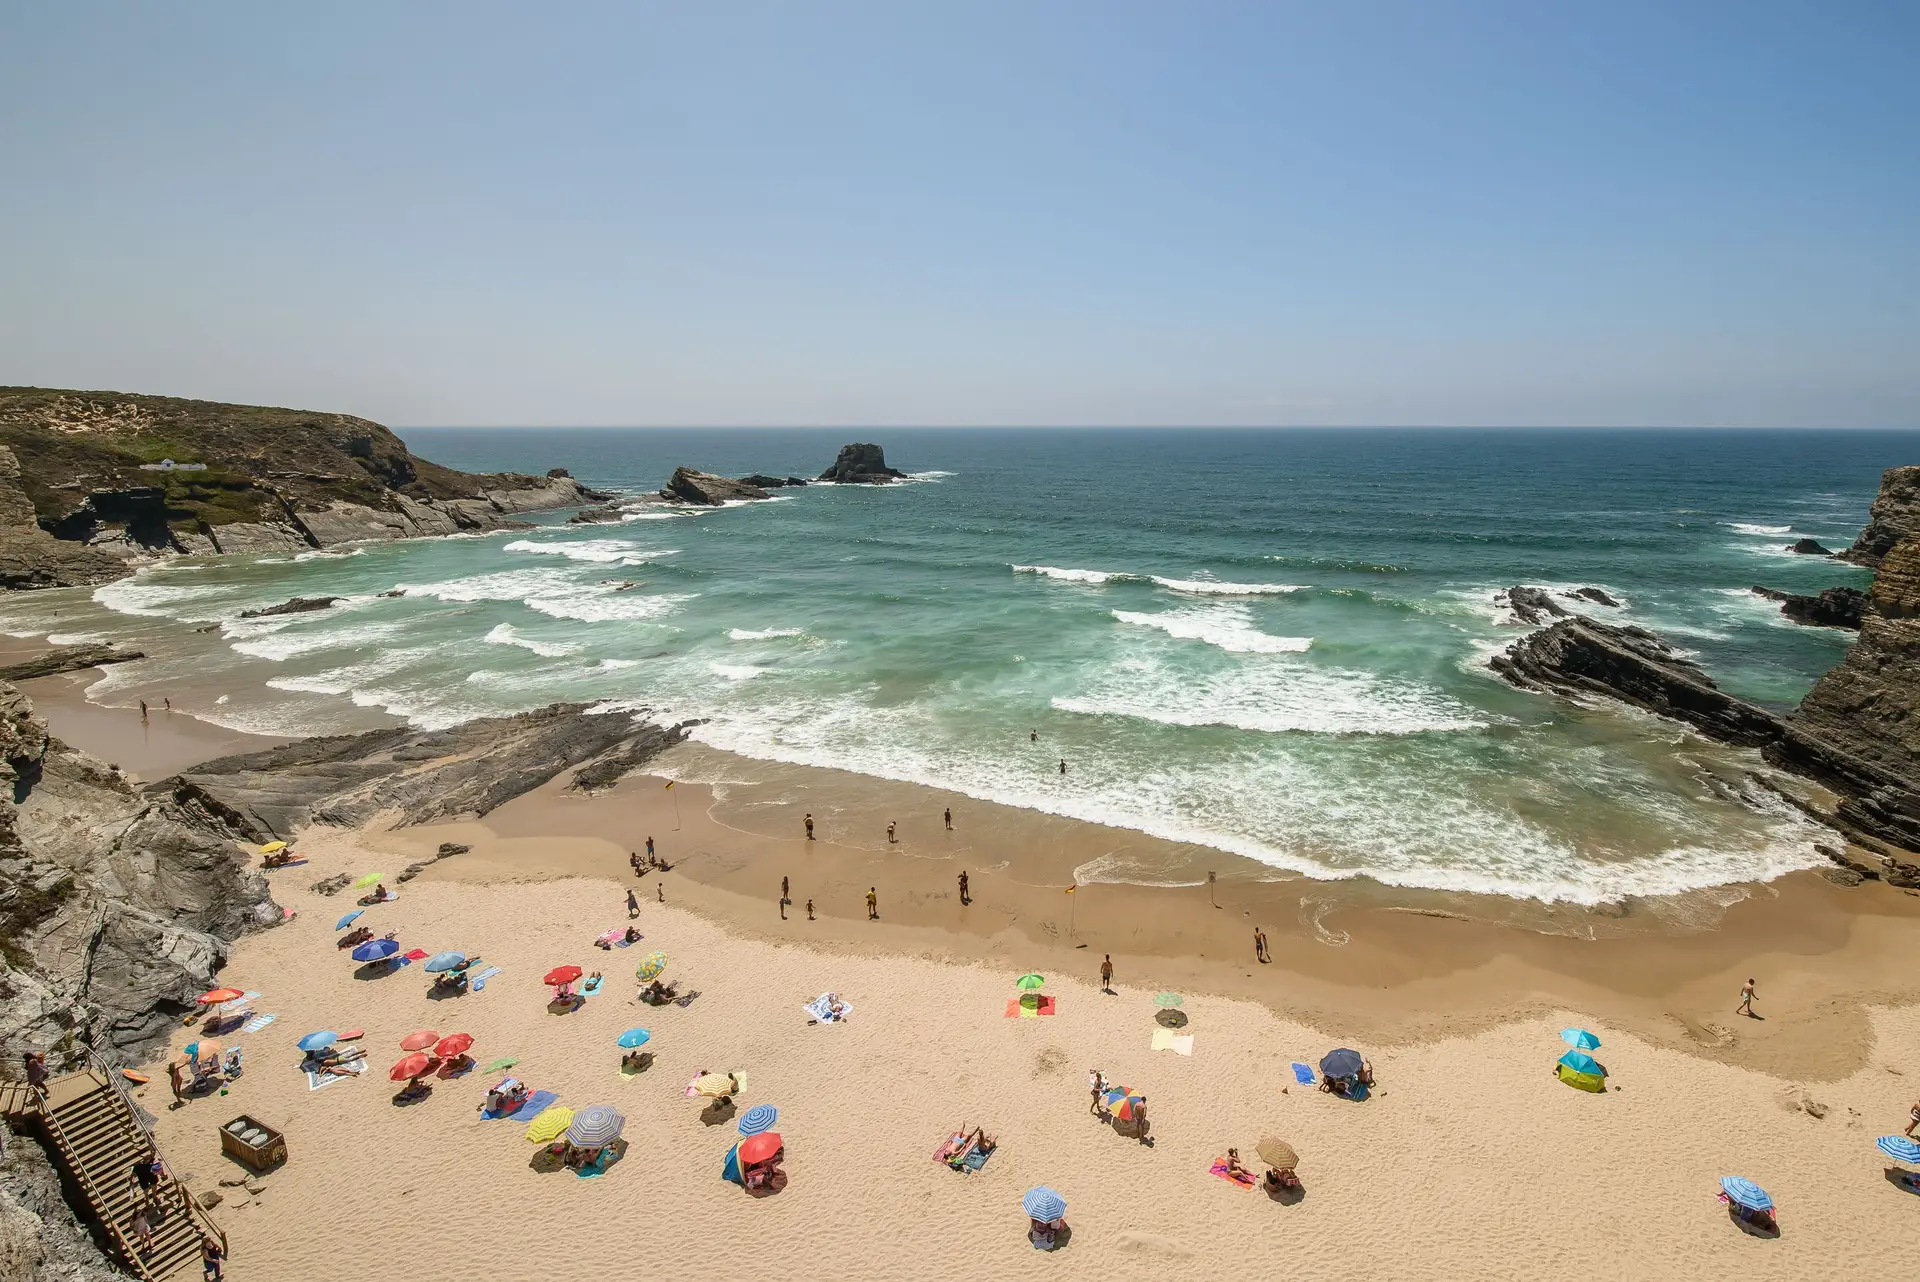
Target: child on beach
1746 1000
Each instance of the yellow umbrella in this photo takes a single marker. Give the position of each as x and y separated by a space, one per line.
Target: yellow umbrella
713 1085
368 880
550 1125
652 966
272 846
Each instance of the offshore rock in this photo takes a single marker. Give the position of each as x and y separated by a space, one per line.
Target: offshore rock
298 605
1833 608
1531 605
1808 547
68 658
771 482
596 515
862 464
1895 514
704 488
1596 595
1578 656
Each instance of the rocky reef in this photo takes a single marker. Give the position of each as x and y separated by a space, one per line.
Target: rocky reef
706 489
68 658
861 464
92 480
1832 608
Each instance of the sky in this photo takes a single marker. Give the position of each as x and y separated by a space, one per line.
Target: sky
995 214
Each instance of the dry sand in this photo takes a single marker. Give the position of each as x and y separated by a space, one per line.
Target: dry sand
1470 1161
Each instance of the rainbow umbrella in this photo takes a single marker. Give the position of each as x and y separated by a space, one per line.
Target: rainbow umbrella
652 966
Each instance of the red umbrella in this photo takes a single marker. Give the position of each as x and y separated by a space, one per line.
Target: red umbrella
454 1045
756 1149
563 975
219 995
414 1065
419 1041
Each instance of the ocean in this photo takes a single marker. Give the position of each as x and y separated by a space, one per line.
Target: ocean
1268 642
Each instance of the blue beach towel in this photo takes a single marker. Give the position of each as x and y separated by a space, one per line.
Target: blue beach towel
536 1104
591 987
257 1023
1302 1074
480 981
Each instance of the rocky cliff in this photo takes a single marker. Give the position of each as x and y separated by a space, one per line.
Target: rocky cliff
1895 514
89 480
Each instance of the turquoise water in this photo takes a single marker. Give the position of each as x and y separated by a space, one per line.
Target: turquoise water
1269 642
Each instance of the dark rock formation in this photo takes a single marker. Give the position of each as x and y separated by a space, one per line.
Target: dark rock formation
116 904
84 487
298 605
1833 608
1578 656
1808 547
861 464
688 486
771 482
1595 595
1895 514
1530 605
598 515
67 658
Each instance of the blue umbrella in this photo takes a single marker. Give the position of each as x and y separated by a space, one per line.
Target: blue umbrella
1746 1193
1341 1063
760 1117
347 921
318 1041
1899 1148
1580 1039
446 961
1581 1062
634 1037
1043 1204
375 950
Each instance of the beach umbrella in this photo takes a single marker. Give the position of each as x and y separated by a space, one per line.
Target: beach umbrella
652 966
760 1117
318 1041
1167 1001
241 1000
1580 1039
453 1045
1129 1108
758 1148
1899 1148
562 975
375 950
414 1065
550 1125
219 996
499 1064
595 1126
634 1038
205 1048
713 1085
1581 1062
451 960
1277 1153
273 847
419 1041
1745 1193
1030 982
349 919
1341 1063
1116 1094
372 878
1043 1204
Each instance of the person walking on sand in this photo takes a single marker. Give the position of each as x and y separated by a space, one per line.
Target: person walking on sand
211 1257
143 712
661 886
1097 1084
1106 974
809 908
809 826
1260 949
1913 1118
873 905
177 1081
949 818
966 896
891 838
1746 1000
649 850
633 906
784 901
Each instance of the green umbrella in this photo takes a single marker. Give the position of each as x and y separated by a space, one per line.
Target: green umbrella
1168 1000
499 1064
1030 981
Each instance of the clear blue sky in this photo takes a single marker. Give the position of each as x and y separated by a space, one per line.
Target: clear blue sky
900 213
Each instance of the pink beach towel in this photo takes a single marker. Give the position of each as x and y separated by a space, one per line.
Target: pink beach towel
1219 1168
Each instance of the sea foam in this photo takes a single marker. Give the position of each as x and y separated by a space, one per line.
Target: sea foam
1228 626
1192 587
505 634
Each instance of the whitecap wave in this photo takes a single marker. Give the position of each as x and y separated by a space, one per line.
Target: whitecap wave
277 647
1743 527
328 554
501 585
597 551
735 671
614 665
505 634
1228 626
763 634
1192 587
605 605
1070 576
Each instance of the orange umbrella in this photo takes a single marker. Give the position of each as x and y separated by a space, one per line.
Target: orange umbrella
758 1148
454 1045
562 975
419 1041
414 1065
218 995
206 1048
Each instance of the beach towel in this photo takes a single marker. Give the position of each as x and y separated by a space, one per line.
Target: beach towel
687 1000
537 1103
1165 1039
1018 1008
257 1023
978 1158
1238 1181
821 1009
416 954
480 981
341 1072
1302 1074
591 987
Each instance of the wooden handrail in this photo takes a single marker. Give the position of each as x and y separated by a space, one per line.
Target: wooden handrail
195 1211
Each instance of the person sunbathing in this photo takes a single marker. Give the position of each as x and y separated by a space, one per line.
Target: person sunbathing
658 994
633 936
635 1061
354 938
278 859
970 1142
1234 1168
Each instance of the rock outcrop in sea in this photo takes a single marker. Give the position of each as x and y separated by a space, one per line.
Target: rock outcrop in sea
68 658
90 481
1833 608
687 485
1808 547
861 464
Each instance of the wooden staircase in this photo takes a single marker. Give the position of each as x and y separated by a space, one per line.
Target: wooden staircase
95 1135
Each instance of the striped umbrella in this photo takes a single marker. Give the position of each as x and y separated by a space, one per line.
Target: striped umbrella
1129 1108
1043 1204
1746 1193
453 959
595 1126
318 1041
760 1117
1277 1153
652 966
1899 1148
1167 1001
634 1038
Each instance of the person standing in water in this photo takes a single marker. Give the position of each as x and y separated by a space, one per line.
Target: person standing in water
1033 736
1063 767
891 839
784 900
809 908
143 712
949 818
